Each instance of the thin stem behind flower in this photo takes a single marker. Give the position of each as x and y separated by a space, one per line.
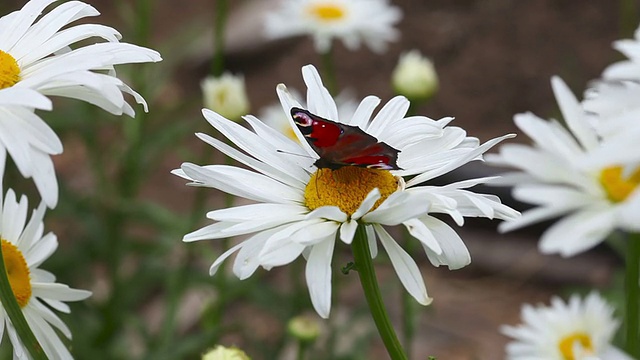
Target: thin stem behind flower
632 290
220 19
329 71
367 274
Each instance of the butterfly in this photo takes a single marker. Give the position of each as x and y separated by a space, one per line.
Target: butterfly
340 145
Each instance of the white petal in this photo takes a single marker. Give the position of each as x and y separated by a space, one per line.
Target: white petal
363 112
407 270
461 161
319 100
243 183
248 259
260 148
24 97
347 231
397 212
578 232
257 165
420 231
328 212
394 110
257 211
573 114
372 197
371 238
59 292
313 234
216 264
318 275
454 252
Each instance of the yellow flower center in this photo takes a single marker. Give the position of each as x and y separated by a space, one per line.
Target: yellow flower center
616 186
327 12
347 187
17 272
9 70
568 344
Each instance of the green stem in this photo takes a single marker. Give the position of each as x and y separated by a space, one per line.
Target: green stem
16 316
220 19
628 17
632 290
302 350
364 265
329 72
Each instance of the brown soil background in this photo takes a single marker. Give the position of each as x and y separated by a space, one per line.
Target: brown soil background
494 59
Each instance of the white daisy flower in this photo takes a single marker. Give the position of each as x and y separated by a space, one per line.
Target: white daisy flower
24 248
226 95
303 210
35 54
273 115
558 175
626 69
353 21
580 329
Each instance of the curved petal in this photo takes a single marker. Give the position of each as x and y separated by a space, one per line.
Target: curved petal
318 275
319 100
405 267
454 252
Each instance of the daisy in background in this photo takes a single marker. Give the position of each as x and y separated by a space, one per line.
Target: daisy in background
560 174
352 21
35 54
303 210
626 69
580 329
24 248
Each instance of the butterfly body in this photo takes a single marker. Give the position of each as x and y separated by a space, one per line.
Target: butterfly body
341 145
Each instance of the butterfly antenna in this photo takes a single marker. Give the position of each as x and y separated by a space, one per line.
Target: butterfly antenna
292 153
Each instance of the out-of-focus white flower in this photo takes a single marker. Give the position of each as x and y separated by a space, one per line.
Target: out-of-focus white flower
578 330
303 209
24 248
415 77
352 21
226 95
613 110
224 353
571 172
35 55
626 69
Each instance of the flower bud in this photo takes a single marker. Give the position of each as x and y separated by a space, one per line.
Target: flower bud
304 328
415 77
222 353
226 95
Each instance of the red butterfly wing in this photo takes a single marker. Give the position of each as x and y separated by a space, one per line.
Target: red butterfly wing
341 145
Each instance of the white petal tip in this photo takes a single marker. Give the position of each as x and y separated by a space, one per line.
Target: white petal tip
426 301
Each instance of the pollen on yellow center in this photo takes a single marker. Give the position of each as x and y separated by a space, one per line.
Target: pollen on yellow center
327 11
9 70
347 187
569 343
17 272
616 185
